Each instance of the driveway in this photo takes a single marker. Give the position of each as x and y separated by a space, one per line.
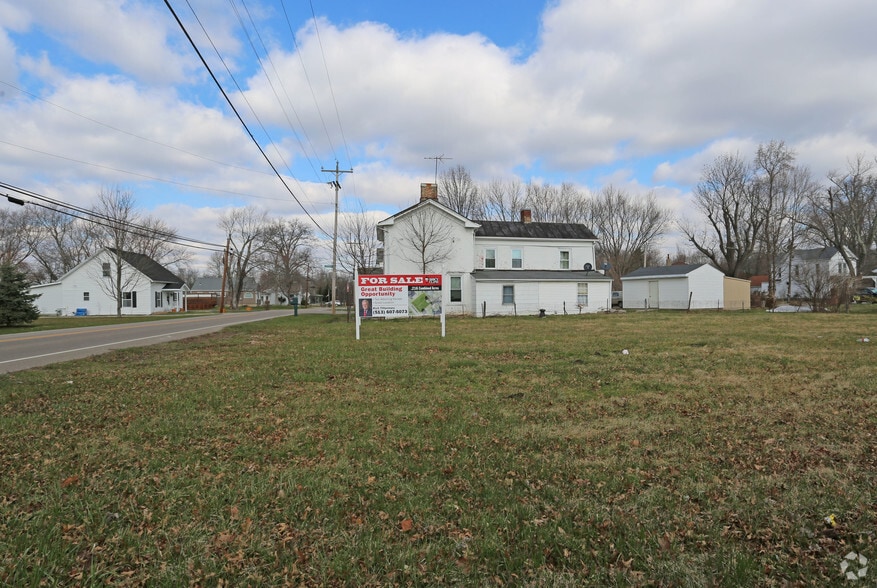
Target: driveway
27 350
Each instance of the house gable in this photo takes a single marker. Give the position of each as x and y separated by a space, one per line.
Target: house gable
147 287
543 263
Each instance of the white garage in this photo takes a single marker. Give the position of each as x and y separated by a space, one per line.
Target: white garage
681 287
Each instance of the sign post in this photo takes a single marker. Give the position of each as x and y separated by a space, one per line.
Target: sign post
390 296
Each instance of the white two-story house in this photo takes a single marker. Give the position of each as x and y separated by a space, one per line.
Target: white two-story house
496 267
809 267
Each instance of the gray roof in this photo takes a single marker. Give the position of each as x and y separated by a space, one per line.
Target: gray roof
540 275
150 268
214 284
664 270
823 253
519 230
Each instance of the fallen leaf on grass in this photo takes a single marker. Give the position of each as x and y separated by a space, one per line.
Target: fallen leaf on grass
406 525
69 481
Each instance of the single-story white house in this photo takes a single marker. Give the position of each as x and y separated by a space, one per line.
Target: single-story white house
692 286
147 287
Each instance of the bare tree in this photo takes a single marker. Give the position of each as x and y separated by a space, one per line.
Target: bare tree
245 228
552 204
426 238
772 168
287 251
626 227
503 200
844 216
358 241
820 287
59 242
727 199
116 212
15 246
156 239
460 193
802 189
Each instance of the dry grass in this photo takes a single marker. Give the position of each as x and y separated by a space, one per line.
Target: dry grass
513 452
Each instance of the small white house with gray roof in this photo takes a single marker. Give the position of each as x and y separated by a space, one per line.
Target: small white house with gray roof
147 287
681 287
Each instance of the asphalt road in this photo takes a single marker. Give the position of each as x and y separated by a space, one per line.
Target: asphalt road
27 350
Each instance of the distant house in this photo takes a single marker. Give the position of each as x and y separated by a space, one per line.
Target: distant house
147 287
692 286
211 287
807 265
759 283
496 267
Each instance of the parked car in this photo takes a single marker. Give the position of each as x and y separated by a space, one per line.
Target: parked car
617 299
865 296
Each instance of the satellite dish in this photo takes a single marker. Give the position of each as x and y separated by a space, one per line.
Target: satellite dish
588 267
606 266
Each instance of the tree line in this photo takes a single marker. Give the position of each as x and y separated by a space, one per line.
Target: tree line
750 214
44 242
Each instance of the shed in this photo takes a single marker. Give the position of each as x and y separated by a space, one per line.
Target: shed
738 294
681 287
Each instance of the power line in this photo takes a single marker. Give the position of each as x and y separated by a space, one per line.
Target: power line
139 175
331 88
130 134
239 117
102 220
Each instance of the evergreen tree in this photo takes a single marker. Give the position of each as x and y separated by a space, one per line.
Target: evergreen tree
16 305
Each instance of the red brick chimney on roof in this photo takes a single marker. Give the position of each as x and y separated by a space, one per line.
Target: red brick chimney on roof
526 216
428 192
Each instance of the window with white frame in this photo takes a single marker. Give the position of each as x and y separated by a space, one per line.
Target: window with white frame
456 289
86 296
158 300
490 258
517 259
105 268
564 260
582 294
508 294
129 299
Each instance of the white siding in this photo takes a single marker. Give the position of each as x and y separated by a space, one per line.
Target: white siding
50 300
68 294
552 296
537 254
706 285
636 294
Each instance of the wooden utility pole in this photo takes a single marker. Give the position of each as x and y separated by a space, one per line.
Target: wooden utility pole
337 185
224 275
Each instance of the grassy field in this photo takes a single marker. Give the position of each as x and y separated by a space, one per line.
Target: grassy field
724 449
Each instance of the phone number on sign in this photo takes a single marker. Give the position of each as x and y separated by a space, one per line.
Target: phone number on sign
390 311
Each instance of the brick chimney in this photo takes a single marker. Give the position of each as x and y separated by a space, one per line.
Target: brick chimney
428 192
526 216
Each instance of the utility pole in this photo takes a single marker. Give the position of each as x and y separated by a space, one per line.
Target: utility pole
224 275
438 158
337 185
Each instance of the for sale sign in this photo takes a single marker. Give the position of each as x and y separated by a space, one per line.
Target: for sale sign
398 296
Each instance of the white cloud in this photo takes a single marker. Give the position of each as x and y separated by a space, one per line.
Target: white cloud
609 83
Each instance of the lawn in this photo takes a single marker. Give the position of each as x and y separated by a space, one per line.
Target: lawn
724 449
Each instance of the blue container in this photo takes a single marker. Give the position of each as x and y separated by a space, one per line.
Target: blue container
81 312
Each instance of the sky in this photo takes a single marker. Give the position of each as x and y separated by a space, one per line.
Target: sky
98 95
